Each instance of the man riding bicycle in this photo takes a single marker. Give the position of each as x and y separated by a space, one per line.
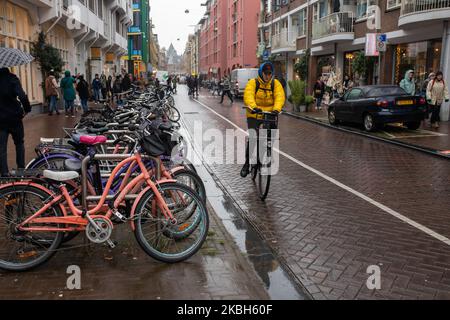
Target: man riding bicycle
261 94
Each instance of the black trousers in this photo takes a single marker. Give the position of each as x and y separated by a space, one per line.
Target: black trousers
228 93
253 125
435 113
17 133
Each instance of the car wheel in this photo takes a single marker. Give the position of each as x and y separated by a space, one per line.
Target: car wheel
414 125
369 123
332 117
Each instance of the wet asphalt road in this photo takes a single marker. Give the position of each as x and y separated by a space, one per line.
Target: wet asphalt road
342 203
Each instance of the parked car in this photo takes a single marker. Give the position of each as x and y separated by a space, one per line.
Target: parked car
374 106
239 79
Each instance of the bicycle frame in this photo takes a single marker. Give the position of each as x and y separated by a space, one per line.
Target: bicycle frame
78 217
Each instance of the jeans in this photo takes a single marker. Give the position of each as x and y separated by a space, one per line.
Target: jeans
17 134
84 104
435 113
52 104
69 105
319 101
96 95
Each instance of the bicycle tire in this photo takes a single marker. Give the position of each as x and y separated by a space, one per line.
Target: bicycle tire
172 114
17 267
141 219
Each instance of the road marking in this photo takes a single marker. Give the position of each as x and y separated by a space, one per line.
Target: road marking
381 206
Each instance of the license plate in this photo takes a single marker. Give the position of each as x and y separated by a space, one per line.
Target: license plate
405 102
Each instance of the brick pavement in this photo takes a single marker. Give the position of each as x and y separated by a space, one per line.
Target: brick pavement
218 271
434 139
327 236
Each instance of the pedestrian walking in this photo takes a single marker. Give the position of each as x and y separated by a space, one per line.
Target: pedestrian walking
109 88
408 83
126 83
104 90
226 89
96 87
83 92
117 88
14 106
437 93
174 84
51 93
319 91
67 87
423 93
347 84
195 86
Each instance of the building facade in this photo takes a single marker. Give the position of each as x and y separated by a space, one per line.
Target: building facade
333 31
89 34
139 40
226 38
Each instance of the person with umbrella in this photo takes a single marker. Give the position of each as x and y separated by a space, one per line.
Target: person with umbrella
14 105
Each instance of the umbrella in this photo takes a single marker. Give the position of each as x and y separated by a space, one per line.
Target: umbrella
10 57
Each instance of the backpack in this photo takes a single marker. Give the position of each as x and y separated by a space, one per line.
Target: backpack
258 86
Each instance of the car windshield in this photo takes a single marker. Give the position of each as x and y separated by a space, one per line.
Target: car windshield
386 91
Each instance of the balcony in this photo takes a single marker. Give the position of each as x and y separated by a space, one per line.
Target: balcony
417 11
335 27
284 41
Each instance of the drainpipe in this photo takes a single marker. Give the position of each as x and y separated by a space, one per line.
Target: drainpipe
82 38
58 14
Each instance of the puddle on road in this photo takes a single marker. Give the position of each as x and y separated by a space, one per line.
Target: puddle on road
276 281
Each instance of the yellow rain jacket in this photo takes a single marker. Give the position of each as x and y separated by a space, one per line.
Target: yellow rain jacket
264 99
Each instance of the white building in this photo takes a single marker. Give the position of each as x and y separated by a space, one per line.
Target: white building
91 35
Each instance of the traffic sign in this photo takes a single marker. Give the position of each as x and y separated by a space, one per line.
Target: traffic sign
381 42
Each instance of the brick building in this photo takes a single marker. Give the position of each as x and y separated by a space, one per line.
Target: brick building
227 36
418 37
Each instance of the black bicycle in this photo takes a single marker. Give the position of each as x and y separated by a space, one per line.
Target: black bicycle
263 167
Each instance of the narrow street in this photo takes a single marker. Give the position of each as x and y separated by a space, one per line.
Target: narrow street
341 203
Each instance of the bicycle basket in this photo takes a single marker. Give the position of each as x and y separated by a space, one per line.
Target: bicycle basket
153 145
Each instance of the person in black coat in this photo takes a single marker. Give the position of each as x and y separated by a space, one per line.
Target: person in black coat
11 114
83 92
126 83
319 91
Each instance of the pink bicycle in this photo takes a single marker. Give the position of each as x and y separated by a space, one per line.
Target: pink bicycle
169 219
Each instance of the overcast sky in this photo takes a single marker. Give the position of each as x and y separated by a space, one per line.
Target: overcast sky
172 23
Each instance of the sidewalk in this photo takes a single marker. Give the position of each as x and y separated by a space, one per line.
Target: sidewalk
435 139
218 271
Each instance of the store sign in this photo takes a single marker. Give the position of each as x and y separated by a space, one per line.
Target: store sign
371 45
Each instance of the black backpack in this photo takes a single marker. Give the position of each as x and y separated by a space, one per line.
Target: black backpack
258 86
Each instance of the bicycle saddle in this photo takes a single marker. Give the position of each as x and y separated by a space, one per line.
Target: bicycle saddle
92 140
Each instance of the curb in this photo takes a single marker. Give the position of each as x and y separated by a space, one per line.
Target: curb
410 146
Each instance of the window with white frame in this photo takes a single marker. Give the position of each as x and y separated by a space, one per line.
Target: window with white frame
391 4
362 8
302 21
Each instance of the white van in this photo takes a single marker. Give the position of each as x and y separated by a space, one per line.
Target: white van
239 79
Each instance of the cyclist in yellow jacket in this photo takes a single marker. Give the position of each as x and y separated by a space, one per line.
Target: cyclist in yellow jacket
261 94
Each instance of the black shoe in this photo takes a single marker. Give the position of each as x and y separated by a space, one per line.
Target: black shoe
245 170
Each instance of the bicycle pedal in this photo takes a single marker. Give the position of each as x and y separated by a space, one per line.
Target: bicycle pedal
112 244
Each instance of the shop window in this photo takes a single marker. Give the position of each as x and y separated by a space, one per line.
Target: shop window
92 5
422 57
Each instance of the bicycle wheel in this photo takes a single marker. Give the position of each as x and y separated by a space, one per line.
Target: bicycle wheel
23 250
172 113
158 237
264 176
171 101
192 180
